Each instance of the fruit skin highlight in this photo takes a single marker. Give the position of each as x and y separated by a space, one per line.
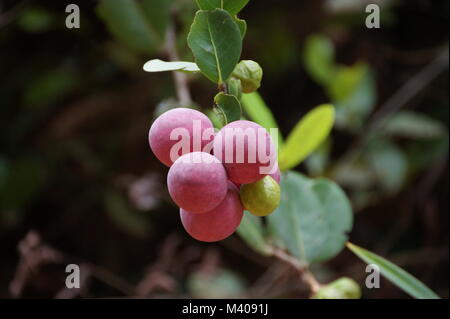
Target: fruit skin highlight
178 118
217 224
245 172
262 197
197 182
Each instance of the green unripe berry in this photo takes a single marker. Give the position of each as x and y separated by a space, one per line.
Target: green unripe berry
250 74
261 198
343 288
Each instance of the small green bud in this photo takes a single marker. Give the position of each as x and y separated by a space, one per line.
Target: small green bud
343 288
250 74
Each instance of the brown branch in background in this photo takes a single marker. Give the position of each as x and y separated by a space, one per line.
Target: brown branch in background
35 254
181 79
32 256
411 88
157 276
305 274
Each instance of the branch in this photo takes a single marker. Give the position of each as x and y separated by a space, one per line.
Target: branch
303 269
408 91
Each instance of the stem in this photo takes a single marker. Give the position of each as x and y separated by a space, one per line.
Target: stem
305 274
180 79
410 89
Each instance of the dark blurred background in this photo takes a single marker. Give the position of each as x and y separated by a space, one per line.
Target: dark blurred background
79 184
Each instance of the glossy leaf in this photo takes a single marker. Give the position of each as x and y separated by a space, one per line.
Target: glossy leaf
242 24
232 6
306 136
252 232
216 43
313 219
228 106
131 23
395 274
157 65
257 110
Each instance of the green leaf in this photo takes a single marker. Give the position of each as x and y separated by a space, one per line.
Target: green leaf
35 19
232 6
50 86
216 118
413 125
250 74
215 41
389 164
124 217
252 232
157 65
395 274
235 87
306 136
346 80
139 25
351 113
216 283
318 56
229 106
317 162
242 24
313 218
258 111
158 15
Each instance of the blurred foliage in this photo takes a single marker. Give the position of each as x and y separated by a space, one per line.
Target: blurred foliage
75 107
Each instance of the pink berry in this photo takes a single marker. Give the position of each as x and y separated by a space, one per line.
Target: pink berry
197 182
276 175
246 150
195 132
217 224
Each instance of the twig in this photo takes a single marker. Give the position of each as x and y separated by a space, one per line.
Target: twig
411 88
34 254
303 269
180 79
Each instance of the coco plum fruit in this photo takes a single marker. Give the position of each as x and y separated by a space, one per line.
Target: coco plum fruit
262 197
197 182
217 224
246 150
189 128
276 175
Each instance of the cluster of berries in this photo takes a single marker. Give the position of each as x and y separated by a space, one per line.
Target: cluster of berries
214 176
